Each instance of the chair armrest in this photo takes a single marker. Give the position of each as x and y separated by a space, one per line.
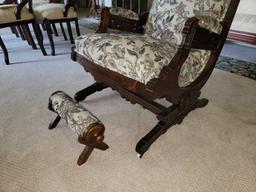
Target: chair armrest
210 23
118 21
197 37
71 3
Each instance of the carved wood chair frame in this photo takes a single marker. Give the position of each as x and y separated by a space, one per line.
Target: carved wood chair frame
166 85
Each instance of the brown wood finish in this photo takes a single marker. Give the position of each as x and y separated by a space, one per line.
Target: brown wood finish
92 137
166 86
22 26
47 23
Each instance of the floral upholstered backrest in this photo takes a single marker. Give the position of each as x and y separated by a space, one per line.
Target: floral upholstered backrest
167 17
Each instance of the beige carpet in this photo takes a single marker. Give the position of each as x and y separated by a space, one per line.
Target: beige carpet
214 150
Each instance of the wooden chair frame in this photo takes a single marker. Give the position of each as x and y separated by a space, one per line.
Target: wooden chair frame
183 99
48 22
23 26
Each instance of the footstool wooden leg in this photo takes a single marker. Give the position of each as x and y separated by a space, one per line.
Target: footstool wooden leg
54 122
89 129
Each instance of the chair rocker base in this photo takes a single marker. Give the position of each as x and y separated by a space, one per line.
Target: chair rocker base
167 117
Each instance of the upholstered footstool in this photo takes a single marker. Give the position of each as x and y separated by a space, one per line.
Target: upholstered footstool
89 129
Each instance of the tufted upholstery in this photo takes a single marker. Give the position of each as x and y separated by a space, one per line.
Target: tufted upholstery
167 18
7 14
53 11
77 117
127 13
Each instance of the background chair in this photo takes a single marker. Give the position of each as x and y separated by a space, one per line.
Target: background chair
51 13
172 60
12 15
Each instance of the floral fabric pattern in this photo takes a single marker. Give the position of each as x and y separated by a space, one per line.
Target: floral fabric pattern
127 13
138 57
167 17
77 117
210 24
193 66
142 57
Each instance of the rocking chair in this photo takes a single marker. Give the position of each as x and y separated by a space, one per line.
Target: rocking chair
173 59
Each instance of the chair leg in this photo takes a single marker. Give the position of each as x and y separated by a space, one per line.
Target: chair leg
55 29
39 37
14 31
63 31
70 32
175 116
6 57
77 27
28 36
21 33
81 95
48 29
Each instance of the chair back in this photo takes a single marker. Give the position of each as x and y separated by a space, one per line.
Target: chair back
167 17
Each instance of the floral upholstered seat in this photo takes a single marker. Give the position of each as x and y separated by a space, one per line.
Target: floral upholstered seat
142 57
138 57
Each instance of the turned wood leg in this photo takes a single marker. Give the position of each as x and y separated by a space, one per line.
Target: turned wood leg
70 32
14 31
39 37
6 57
28 35
63 31
48 29
54 122
175 116
81 95
55 29
92 138
83 157
21 33
77 27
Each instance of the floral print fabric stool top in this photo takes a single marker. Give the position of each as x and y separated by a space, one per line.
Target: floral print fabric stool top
77 117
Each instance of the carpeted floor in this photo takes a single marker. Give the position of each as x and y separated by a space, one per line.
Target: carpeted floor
214 149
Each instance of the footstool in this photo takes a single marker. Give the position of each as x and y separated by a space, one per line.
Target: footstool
89 128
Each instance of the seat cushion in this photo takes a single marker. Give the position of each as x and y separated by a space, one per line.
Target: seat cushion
138 57
53 11
127 13
7 14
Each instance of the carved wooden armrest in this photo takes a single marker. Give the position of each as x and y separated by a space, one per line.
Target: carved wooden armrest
197 37
70 4
109 20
